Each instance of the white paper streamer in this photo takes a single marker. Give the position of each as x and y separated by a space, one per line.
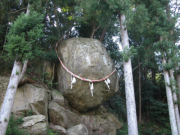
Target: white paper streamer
91 88
107 81
73 80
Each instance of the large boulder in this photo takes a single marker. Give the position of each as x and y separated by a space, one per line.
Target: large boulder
89 59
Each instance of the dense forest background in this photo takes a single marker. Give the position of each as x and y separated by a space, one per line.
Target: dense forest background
153 29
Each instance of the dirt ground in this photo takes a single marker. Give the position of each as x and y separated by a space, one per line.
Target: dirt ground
4 80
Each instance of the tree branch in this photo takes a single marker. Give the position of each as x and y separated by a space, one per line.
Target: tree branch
23 71
17 11
136 67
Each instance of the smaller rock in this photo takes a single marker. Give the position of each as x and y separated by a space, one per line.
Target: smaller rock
78 130
58 98
58 129
61 116
31 120
113 118
100 110
37 129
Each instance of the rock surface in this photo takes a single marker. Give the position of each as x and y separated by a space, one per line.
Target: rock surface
58 129
30 97
39 128
89 59
98 121
31 120
34 125
61 116
78 130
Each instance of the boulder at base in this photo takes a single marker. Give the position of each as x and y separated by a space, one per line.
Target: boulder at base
78 130
89 59
30 98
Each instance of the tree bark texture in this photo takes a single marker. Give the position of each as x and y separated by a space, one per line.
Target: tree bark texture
6 108
176 108
103 34
139 65
23 71
129 86
178 85
174 129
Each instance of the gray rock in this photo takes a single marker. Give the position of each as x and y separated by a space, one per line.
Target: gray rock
78 130
58 129
89 59
35 124
32 120
59 98
61 116
39 128
29 97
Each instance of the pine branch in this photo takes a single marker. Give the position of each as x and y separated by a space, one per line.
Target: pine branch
17 11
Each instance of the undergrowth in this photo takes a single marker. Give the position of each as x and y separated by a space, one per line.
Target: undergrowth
13 129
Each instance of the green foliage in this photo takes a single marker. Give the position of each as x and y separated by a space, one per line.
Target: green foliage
13 129
50 55
128 52
167 66
24 36
50 132
154 129
159 111
29 113
17 72
123 131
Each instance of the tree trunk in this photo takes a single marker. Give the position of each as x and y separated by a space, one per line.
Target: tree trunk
178 86
176 108
9 97
94 29
170 101
103 34
139 89
153 76
129 86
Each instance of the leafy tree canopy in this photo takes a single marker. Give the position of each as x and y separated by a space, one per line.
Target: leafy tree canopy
24 35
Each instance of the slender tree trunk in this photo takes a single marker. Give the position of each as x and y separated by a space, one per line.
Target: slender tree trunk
94 29
129 86
176 108
139 89
153 76
178 85
174 129
57 20
103 34
6 108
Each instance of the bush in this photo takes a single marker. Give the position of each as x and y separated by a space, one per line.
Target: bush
13 129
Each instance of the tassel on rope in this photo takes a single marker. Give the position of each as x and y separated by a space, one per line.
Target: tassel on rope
91 88
107 81
73 80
